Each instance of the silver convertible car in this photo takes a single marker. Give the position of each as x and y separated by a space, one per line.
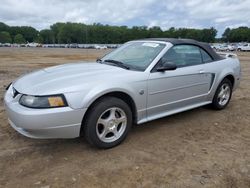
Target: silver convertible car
143 80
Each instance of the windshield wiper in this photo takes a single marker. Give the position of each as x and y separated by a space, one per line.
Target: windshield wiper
118 63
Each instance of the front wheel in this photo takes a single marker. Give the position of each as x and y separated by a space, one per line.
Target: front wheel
108 122
222 95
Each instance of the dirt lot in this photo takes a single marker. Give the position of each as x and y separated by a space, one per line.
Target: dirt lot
198 148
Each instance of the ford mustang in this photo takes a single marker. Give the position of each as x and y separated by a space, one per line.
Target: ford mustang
143 80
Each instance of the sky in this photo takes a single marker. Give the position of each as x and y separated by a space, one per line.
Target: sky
164 13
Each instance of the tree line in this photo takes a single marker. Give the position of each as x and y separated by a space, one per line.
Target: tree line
66 33
240 34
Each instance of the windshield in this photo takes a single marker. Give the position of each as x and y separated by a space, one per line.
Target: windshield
135 55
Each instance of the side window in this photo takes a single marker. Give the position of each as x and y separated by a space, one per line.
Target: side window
205 57
183 55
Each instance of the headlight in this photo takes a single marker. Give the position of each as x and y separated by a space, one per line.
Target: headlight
43 101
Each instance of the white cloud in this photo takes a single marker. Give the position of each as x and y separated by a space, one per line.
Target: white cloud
46 12
166 13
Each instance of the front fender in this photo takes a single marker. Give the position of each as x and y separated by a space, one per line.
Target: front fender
84 98
97 92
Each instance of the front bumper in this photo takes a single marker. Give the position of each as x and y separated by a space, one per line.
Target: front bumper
62 122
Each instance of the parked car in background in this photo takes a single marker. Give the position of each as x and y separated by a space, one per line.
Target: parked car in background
81 46
16 45
32 44
57 46
223 47
216 46
74 45
244 47
112 45
143 80
6 45
47 46
231 47
213 46
99 47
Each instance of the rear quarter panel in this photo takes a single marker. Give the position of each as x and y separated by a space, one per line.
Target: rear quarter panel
223 68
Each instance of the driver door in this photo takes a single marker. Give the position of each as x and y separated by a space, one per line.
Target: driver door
172 90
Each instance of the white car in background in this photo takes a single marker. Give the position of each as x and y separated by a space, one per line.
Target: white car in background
100 47
231 47
6 45
225 47
32 44
219 47
244 47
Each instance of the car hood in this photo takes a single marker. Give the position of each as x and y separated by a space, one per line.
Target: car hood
71 78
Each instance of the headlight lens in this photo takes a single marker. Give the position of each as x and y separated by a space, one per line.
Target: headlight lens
43 101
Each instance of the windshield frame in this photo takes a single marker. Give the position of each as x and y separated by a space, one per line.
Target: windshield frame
162 51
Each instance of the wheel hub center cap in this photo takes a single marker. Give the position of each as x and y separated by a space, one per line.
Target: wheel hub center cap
111 125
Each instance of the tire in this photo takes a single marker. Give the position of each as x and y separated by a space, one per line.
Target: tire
108 122
222 98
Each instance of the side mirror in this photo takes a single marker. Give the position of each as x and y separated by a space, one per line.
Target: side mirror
167 66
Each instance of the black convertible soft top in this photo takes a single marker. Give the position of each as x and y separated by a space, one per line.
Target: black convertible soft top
203 45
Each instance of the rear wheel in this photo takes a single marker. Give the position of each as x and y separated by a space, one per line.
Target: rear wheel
108 122
222 95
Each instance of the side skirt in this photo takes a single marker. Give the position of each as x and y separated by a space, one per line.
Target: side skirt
171 112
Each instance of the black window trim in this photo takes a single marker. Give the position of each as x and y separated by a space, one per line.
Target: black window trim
205 46
199 47
207 54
